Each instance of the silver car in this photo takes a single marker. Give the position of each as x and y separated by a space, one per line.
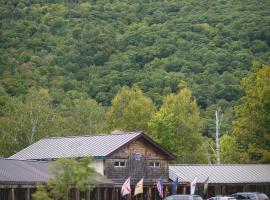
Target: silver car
222 198
183 197
250 196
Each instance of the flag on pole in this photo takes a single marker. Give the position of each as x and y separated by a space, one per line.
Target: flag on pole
174 186
193 186
126 187
205 187
160 188
139 187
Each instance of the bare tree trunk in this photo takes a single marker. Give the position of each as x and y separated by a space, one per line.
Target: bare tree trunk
218 123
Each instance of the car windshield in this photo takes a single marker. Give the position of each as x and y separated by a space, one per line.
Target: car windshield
197 198
250 196
181 198
262 197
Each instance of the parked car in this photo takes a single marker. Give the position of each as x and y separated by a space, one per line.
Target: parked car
250 196
222 198
183 197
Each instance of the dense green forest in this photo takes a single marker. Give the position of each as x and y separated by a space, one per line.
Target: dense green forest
67 67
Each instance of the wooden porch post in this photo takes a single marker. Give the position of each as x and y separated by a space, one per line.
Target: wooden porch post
116 194
87 195
12 194
98 193
27 194
113 191
77 193
105 193
184 189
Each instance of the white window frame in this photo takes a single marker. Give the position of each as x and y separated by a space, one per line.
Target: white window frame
119 163
156 164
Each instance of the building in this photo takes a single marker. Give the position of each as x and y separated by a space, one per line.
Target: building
116 157
224 179
18 179
119 156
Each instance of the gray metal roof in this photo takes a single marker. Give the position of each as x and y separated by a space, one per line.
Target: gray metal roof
18 171
75 146
230 173
97 146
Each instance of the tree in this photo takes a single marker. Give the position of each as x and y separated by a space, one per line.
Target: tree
83 116
177 126
131 110
25 122
41 194
228 150
252 127
67 173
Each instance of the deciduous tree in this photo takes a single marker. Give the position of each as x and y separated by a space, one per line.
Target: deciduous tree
67 173
26 121
252 127
131 110
82 116
177 126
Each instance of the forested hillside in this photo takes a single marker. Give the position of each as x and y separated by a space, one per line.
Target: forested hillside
66 54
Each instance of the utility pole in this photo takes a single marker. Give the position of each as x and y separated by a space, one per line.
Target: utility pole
218 123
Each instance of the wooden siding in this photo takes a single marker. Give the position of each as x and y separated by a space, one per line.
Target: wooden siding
137 169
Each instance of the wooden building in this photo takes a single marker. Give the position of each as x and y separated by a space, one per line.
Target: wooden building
119 156
19 179
115 157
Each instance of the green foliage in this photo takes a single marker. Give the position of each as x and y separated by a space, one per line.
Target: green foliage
24 121
70 172
41 194
67 173
130 110
91 49
27 121
82 116
228 150
177 126
252 127
98 47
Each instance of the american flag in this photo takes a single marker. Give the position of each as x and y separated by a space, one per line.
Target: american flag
126 188
160 188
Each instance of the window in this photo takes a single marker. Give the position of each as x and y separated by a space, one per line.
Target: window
154 164
198 198
239 196
119 164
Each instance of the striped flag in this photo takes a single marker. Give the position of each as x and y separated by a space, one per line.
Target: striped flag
126 187
160 188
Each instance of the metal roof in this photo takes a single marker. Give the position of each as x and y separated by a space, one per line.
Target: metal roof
97 146
75 146
229 173
32 172
18 171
